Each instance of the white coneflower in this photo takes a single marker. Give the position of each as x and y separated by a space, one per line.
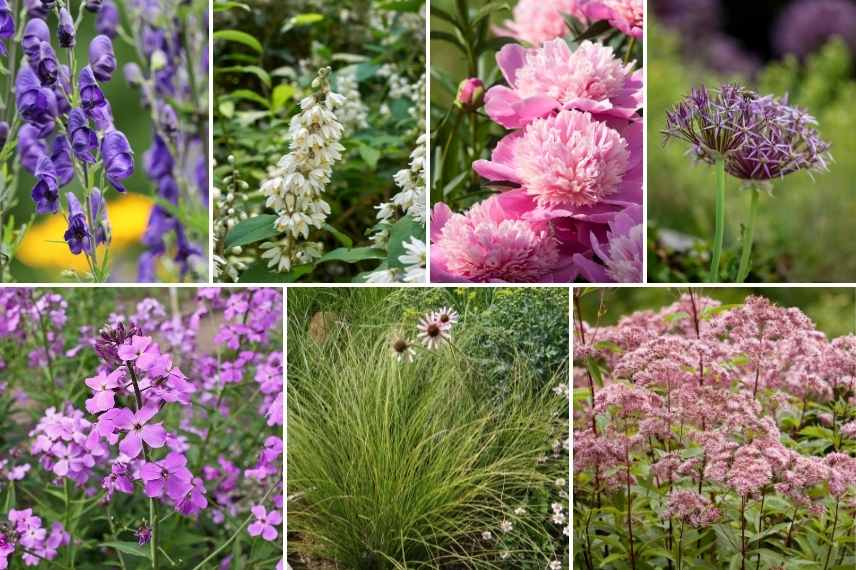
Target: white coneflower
353 114
487 535
415 261
561 390
555 565
447 316
431 333
519 511
506 526
295 185
403 350
567 530
559 518
558 507
560 483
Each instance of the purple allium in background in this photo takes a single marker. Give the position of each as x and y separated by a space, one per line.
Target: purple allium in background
760 138
806 25
688 15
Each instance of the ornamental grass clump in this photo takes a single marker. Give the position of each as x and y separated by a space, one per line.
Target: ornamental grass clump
396 458
756 139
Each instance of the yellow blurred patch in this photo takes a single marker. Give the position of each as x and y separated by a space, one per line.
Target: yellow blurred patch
43 245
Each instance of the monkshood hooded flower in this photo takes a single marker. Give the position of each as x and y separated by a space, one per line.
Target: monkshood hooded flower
107 21
101 58
7 25
552 77
36 32
570 160
66 29
46 191
36 104
77 235
98 214
118 158
61 158
84 141
31 147
92 100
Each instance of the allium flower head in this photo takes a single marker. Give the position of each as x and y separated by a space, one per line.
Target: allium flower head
493 241
759 137
565 160
537 21
552 77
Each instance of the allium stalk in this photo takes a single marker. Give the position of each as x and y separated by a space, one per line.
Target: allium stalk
295 186
754 138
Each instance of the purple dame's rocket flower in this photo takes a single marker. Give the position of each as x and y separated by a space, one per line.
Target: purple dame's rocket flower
107 21
759 138
118 158
66 29
46 191
104 387
139 430
265 523
170 476
77 235
7 25
84 141
101 58
194 499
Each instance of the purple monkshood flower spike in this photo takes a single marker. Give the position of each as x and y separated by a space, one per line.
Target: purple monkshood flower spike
118 158
46 191
104 387
77 235
92 99
101 58
170 476
31 148
84 141
47 67
98 213
37 8
7 25
36 104
138 430
66 29
157 160
107 21
265 523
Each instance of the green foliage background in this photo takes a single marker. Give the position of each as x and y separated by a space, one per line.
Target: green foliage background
804 228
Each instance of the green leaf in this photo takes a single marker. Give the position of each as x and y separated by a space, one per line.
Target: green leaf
490 8
594 30
302 20
220 6
248 95
263 75
251 230
297 272
240 37
260 273
353 255
340 237
402 231
131 548
447 37
370 155
400 5
281 95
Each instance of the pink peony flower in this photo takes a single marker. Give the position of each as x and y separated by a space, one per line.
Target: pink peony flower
621 254
494 242
570 160
537 21
627 16
551 77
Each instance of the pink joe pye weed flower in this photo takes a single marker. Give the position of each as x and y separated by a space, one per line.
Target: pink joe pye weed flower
552 77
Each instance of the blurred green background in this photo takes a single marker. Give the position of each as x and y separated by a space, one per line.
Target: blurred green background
804 230
832 309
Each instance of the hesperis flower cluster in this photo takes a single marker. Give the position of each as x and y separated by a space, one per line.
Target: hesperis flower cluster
147 417
568 172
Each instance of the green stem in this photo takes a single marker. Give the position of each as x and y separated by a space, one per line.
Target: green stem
629 53
743 272
231 539
720 221
832 535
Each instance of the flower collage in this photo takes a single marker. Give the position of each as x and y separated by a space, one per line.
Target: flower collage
427 284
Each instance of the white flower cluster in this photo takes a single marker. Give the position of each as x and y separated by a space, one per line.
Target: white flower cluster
229 210
400 86
295 185
409 200
353 114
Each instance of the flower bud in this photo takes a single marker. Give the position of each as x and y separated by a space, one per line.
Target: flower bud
66 29
158 60
101 58
93 5
470 94
133 74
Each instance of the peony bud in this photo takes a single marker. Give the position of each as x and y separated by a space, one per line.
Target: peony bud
470 94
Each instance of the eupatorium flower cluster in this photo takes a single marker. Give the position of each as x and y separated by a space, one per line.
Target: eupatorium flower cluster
570 171
295 186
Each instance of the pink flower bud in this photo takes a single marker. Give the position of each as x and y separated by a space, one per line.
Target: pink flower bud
470 94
